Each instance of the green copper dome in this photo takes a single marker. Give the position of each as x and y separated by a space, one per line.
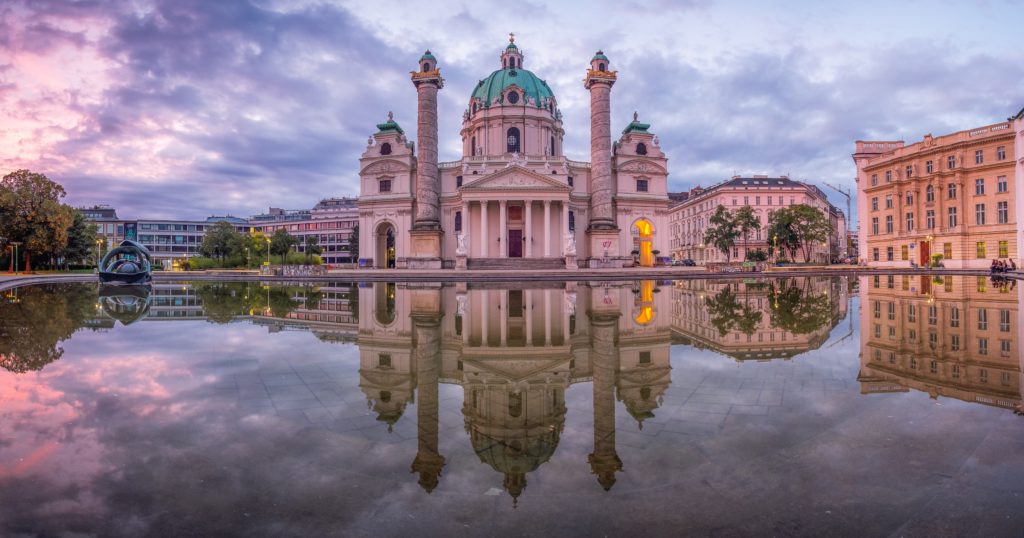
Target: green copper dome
499 81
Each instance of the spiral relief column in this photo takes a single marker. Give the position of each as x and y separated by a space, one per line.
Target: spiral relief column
426 232
602 228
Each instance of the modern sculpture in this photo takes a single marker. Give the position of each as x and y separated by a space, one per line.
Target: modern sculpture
129 263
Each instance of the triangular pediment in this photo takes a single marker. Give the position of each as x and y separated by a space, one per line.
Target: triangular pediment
516 178
513 369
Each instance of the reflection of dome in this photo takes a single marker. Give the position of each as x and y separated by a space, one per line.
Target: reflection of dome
516 457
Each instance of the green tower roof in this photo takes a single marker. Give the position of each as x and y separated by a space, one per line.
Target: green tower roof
636 127
600 56
498 81
389 126
428 56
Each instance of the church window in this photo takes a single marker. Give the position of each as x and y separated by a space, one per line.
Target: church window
641 149
458 221
426 66
552 145
641 185
458 181
513 98
512 145
385 149
385 185
600 67
570 181
515 404
572 221
472 146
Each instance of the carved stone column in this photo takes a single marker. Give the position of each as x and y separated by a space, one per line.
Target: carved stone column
502 229
529 228
485 239
603 229
426 234
547 228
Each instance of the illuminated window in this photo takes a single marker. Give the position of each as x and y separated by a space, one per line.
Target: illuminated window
904 253
1004 249
981 250
947 251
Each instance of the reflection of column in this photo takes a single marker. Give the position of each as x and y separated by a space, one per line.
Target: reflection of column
528 299
529 228
547 228
547 317
465 228
485 308
485 240
604 461
503 330
502 229
427 332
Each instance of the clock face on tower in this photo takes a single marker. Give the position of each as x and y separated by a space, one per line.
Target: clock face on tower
513 98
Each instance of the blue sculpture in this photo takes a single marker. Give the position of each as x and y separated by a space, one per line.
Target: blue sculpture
129 263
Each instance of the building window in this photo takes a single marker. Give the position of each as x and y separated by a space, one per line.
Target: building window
874 255
979 213
472 145
929 219
979 186
888 176
384 360
1002 212
951 191
874 225
951 162
979 157
1004 321
980 246
385 148
458 181
891 311
1004 249
600 67
512 141
947 251
982 284
910 171
910 222
983 350
910 198
982 319
954 342
952 217
929 194
956 371
888 224
384 185
888 201
928 166
641 185
874 204
1001 153
572 221
458 221
874 179
513 97
1001 184
888 255
905 255
641 149
932 315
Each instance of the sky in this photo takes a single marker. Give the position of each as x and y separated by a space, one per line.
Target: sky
190 108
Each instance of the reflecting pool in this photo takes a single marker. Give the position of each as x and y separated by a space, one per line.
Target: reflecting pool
789 407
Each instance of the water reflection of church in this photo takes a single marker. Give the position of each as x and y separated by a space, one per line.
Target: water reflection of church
514 352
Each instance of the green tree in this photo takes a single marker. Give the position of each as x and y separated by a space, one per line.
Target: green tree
757 255
746 221
32 326
722 232
311 246
811 226
255 247
781 233
797 311
81 245
353 244
31 213
281 242
221 241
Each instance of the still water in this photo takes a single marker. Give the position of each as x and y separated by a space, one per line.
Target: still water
793 407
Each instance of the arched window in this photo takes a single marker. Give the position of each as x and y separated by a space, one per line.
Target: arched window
600 67
572 221
641 149
385 148
472 149
552 146
515 405
426 66
512 145
458 221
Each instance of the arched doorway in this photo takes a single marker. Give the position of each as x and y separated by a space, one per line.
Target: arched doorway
643 238
385 246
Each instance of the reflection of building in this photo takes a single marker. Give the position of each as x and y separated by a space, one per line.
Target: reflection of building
331 222
957 195
954 337
689 218
514 352
755 320
512 199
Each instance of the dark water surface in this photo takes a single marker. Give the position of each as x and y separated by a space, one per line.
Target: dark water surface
795 407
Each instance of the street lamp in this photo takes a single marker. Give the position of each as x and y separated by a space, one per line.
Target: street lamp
98 243
268 253
15 244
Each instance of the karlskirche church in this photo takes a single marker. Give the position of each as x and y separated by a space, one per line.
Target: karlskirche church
513 200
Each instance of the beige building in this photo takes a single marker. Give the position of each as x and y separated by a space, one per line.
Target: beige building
688 218
954 337
954 195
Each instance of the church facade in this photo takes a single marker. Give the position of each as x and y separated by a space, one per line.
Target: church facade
513 200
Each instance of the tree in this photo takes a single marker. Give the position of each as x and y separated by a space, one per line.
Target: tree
781 233
221 240
81 243
281 242
746 221
31 213
353 244
722 232
255 246
757 255
810 225
799 312
32 327
311 246
726 313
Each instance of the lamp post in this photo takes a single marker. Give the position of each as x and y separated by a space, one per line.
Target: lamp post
268 253
98 243
775 246
15 244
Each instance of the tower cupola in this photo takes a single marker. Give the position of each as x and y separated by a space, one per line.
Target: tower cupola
600 62
511 58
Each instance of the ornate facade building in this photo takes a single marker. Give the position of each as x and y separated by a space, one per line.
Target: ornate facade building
689 216
513 199
954 195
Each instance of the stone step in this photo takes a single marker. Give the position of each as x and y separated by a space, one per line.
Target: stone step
515 263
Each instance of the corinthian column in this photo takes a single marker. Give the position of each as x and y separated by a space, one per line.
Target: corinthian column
599 81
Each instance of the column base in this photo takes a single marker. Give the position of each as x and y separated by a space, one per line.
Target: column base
604 249
460 262
570 262
425 249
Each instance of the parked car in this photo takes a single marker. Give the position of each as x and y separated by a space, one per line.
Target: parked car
689 263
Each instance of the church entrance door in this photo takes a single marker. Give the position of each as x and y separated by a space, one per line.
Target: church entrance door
515 243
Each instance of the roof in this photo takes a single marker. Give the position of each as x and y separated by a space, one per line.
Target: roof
390 126
600 56
636 127
496 83
428 56
1016 116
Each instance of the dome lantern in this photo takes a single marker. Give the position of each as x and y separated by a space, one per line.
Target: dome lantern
511 57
